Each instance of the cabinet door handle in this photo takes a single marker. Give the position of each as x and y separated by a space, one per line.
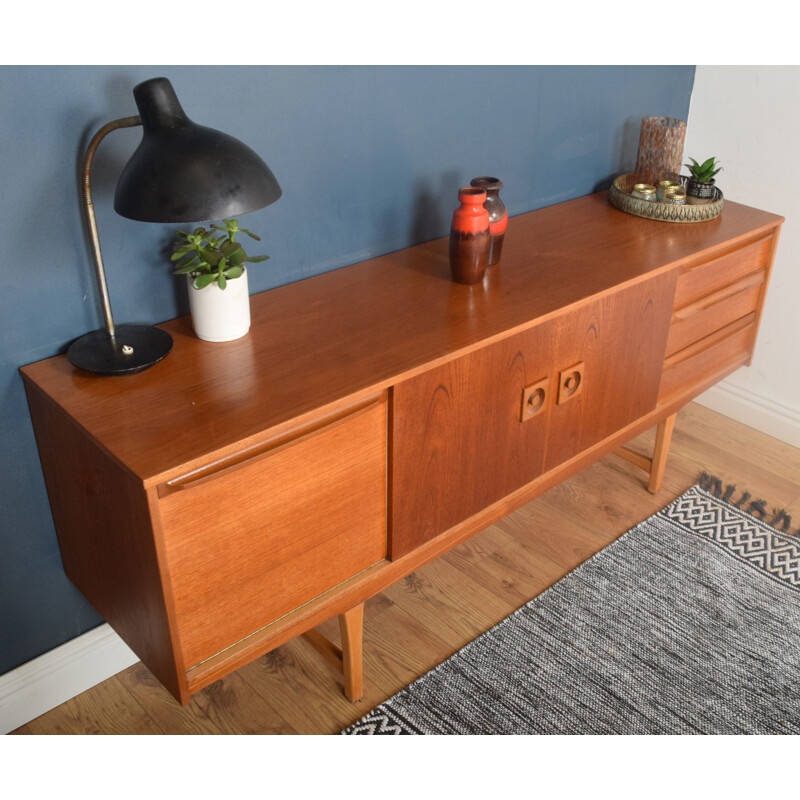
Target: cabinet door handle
570 382
534 399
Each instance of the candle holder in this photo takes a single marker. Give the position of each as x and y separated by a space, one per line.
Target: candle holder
660 149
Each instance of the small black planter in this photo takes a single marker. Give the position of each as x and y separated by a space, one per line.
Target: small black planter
700 190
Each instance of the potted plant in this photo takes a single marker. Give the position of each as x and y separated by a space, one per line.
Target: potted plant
700 185
214 263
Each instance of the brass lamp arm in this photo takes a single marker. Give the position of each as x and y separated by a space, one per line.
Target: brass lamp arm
88 206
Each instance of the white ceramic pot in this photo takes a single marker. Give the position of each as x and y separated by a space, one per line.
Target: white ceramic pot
221 315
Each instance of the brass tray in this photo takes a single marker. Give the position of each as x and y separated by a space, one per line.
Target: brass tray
619 195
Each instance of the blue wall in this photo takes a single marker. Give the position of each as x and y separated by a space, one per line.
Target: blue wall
369 158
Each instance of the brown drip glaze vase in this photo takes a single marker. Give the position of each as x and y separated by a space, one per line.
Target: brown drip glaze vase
469 237
498 214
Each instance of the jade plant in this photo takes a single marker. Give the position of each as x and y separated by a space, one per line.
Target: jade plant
705 172
212 255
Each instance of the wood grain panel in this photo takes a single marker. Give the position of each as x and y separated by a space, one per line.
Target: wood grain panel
258 540
458 441
108 549
458 444
621 341
705 277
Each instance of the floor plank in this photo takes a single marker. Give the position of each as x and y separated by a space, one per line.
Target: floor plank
302 687
171 717
107 708
448 603
516 574
422 620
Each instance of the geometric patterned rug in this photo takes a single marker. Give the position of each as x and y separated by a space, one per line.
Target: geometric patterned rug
689 623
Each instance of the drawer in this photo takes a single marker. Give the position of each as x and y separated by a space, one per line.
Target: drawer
722 350
710 276
262 537
717 310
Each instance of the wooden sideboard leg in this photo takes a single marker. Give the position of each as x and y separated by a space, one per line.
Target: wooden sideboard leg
349 658
351 624
656 465
660 452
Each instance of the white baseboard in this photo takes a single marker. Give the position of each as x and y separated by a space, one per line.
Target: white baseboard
34 688
756 411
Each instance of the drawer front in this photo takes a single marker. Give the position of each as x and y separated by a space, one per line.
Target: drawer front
708 277
252 543
717 354
717 308
697 320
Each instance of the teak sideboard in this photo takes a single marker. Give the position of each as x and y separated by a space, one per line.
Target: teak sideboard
235 495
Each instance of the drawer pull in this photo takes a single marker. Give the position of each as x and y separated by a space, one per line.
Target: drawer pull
263 449
711 274
709 341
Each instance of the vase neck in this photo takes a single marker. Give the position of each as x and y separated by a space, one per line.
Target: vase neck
490 185
470 196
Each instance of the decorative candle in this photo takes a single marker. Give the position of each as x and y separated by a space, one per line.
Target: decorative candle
664 186
644 191
675 197
660 148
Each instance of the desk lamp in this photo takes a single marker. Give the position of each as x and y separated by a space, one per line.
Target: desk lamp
181 172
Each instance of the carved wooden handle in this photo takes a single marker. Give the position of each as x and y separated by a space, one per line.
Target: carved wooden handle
534 398
570 382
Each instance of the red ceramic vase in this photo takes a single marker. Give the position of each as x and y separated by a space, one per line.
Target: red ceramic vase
469 237
498 214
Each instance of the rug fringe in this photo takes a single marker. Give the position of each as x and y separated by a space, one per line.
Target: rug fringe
778 518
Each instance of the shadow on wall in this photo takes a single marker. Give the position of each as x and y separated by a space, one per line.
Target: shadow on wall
179 286
433 208
626 143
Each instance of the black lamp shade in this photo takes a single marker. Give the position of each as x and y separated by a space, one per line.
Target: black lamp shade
184 172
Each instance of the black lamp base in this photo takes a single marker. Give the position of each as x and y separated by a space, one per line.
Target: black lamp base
132 349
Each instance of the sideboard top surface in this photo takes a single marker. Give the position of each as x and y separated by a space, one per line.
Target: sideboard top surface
357 330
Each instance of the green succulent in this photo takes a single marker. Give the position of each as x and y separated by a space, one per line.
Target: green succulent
213 254
705 172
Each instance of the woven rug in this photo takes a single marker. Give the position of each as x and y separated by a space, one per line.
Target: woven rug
689 623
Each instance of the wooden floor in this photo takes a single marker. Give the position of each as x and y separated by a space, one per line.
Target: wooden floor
423 619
